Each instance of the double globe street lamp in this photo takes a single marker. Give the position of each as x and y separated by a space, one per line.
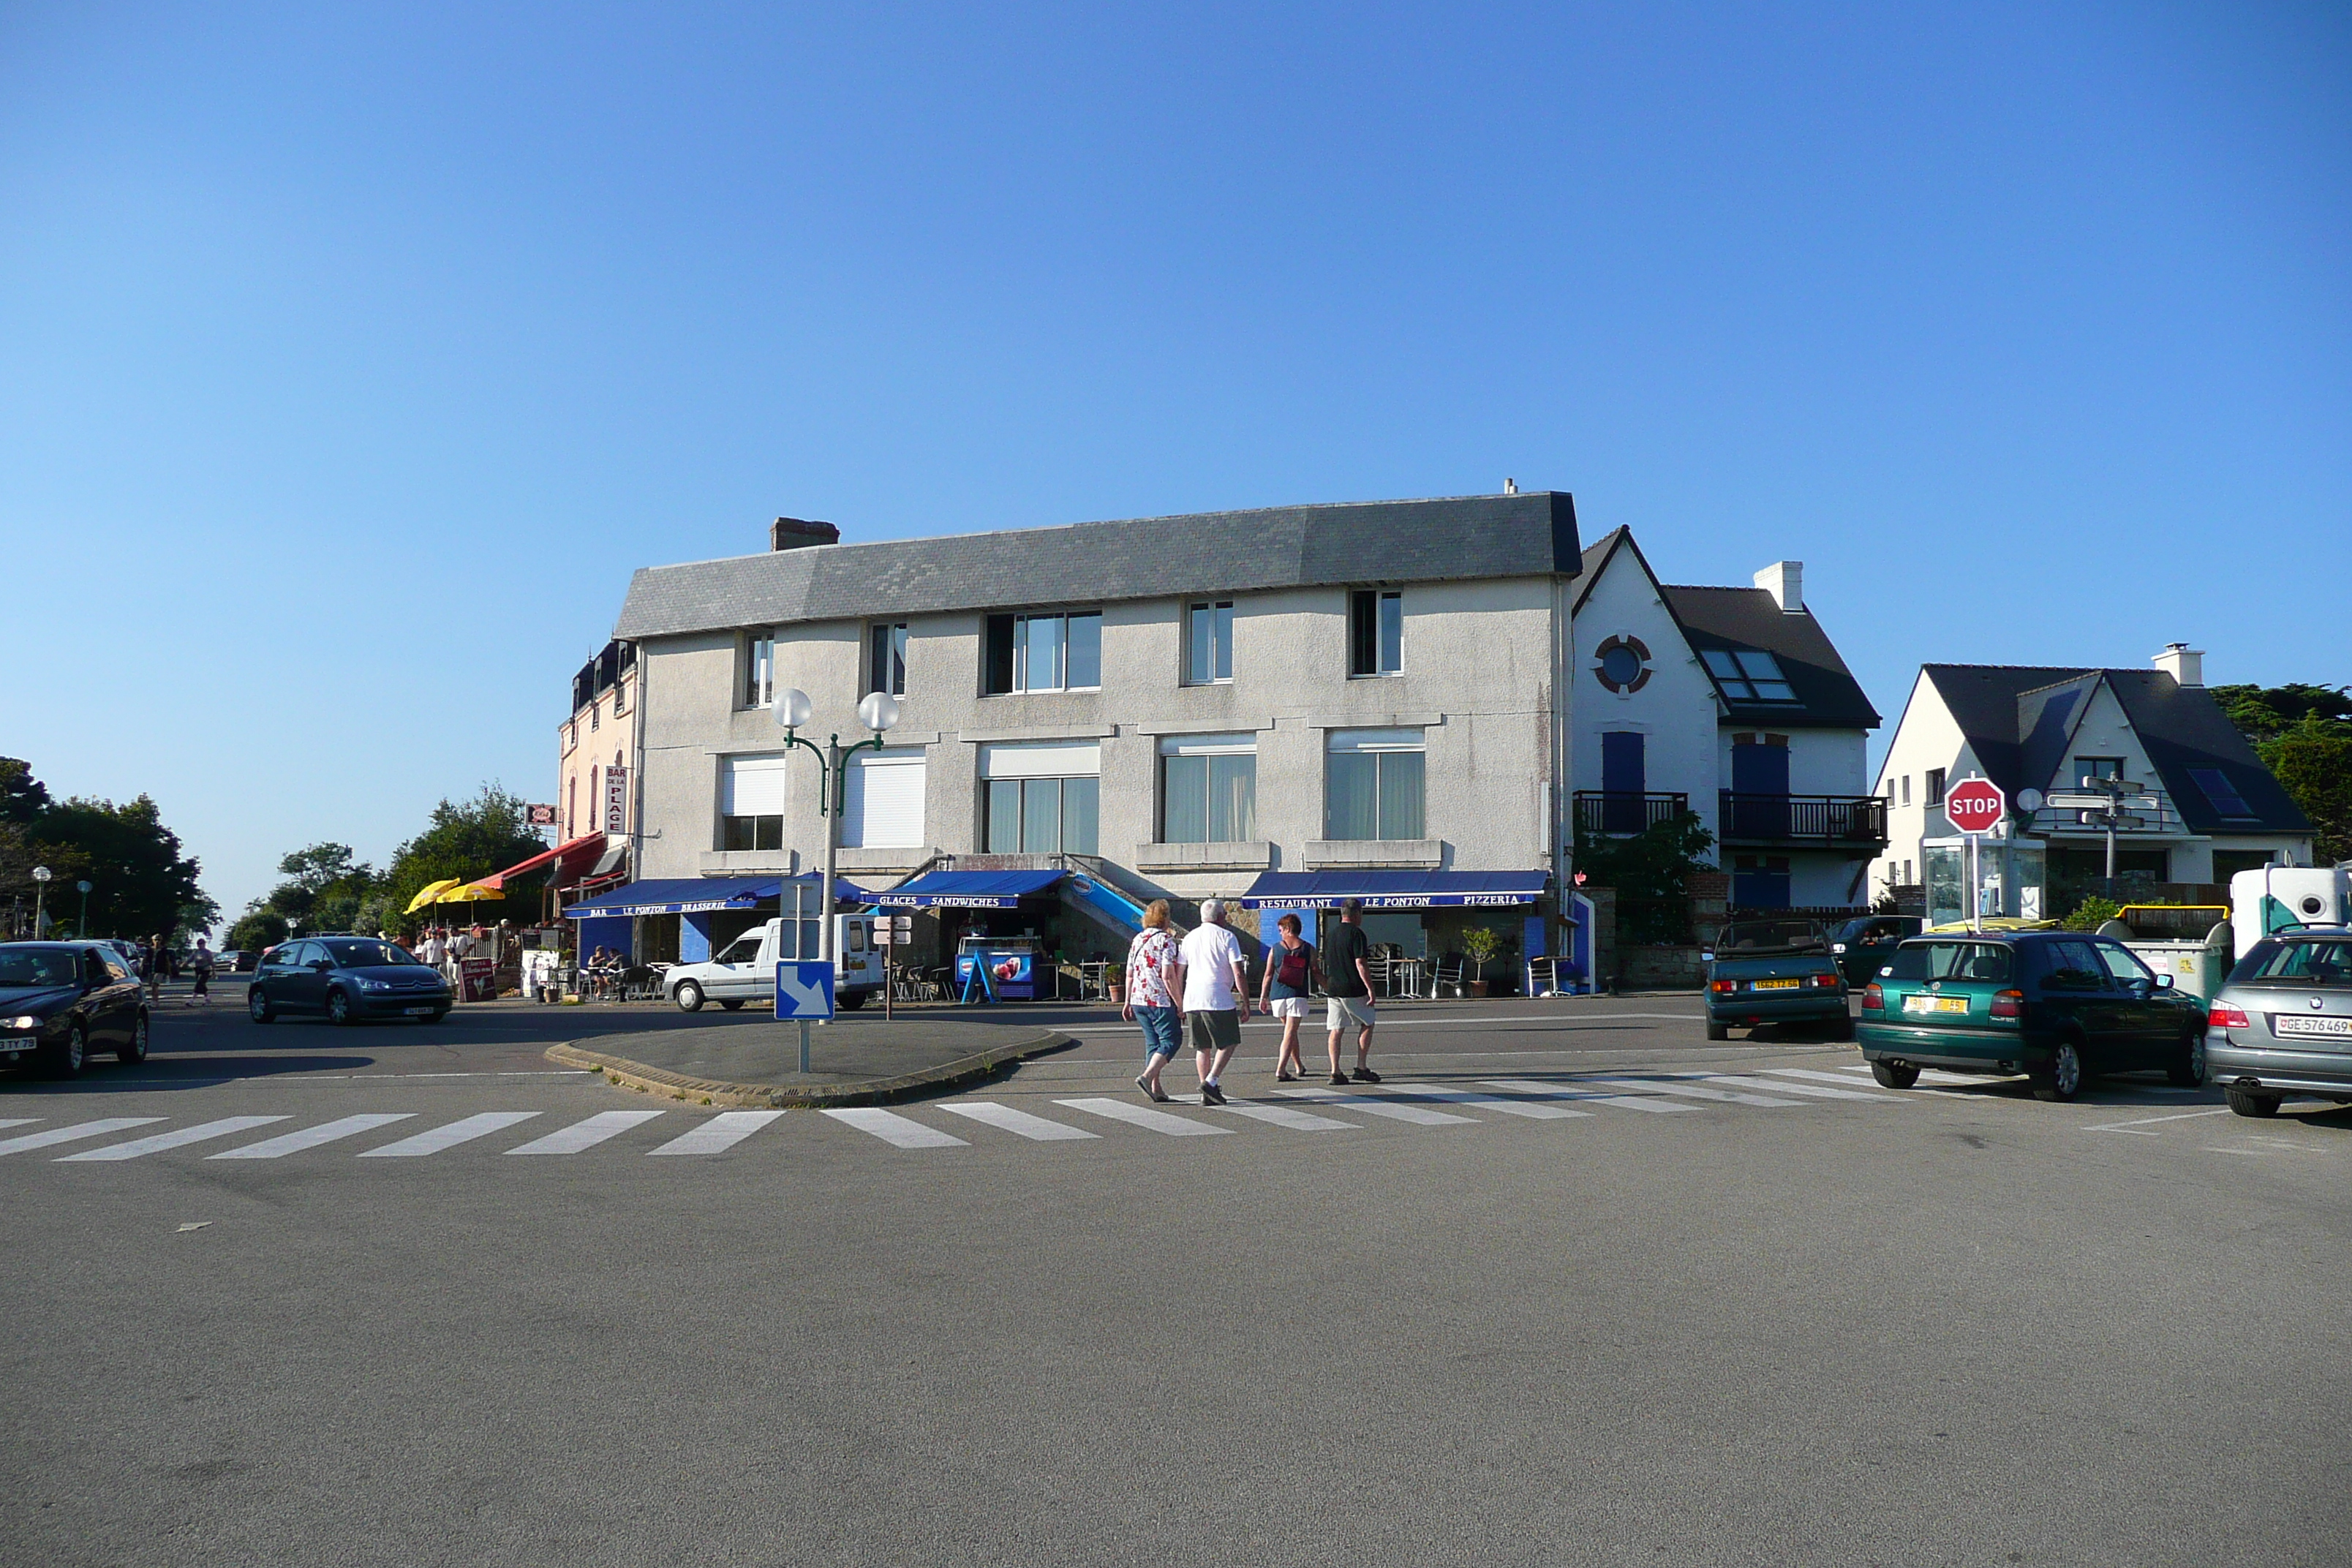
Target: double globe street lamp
880 713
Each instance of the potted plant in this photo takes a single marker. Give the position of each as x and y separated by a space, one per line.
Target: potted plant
1480 946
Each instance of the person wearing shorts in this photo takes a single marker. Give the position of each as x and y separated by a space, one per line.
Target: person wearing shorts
1289 977
1348 987
1214 983
1152 996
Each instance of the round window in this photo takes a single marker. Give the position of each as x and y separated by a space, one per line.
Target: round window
1622 664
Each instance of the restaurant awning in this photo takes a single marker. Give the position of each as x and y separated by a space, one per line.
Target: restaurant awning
1395 889
693 895
966 890
577 854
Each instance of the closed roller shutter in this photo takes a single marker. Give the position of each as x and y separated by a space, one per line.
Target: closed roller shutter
752 786
886 802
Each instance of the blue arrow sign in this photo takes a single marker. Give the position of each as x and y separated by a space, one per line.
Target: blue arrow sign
804 988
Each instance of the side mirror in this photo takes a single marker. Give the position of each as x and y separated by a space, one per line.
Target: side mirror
1707 957
2164 983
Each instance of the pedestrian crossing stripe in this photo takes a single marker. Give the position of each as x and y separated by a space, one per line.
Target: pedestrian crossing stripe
1037 1129
287 1143
156 1142
892 1128
57 1135
1533 1109
1145 1117
1287 1116
1529 1085
586 1134
1375 1105
433 1139
1698 1092
719 1133
1780 1081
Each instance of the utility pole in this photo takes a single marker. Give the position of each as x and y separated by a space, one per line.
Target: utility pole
40 889
2100 801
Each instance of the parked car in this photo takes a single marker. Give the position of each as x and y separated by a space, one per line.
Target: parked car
1862 944
2060 1006
1774 971
745 970
60 1001
346 978
2282 1023
235 961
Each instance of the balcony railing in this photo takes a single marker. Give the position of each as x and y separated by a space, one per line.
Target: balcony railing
1830 819
1601 812
2159 820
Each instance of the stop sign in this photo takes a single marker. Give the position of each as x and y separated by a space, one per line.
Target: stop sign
1975 805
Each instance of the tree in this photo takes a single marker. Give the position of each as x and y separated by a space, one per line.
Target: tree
2304 735
141 882
325 889
2263 713
467 840
1651 871
255 930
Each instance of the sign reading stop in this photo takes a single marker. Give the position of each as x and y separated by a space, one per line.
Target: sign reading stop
1975 806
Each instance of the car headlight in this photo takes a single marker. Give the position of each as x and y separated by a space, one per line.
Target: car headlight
367 985
26 1021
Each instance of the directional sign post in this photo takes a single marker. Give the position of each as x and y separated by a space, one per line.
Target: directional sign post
889 932
803 993
1976 806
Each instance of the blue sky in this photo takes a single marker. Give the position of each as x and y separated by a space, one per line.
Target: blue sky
352 356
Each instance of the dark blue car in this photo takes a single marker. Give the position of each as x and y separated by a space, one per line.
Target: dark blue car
347 978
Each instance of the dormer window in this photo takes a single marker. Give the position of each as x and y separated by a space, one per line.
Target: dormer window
1747 676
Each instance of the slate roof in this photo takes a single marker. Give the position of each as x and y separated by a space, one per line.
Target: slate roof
1828 696
2020 718
1093 563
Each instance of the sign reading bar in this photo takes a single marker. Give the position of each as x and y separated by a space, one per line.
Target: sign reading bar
616 800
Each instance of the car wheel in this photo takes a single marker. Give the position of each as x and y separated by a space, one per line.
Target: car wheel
2249 1102
67 1058
1894 1075
136 1052
2189 1070
689 997
1716 1031
850 1001
339 1007
2062 1078
733 1004
257 1004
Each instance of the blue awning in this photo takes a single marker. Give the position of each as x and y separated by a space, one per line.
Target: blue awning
966 890
1395 889
692 895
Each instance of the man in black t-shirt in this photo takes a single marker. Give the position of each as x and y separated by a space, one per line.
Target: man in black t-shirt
1348 989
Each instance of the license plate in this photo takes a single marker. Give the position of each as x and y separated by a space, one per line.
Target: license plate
1774 984
2294 1023
416 1012
1935 1004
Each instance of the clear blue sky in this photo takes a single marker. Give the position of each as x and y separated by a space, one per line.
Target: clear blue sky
350 356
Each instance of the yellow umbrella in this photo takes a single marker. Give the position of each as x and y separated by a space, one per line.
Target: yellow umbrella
429 893
468 892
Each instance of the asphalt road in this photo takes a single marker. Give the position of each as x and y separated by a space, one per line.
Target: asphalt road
1765 1314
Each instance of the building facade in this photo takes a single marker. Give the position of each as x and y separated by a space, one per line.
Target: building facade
596 751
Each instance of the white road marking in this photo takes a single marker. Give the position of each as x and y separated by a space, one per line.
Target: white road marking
1144 1116
586 1134
1395 1110
17 1121
1737 1082
1693 1091
311 1137
157 1143
448 1135
2218 1149
1558 1092
74 1134
1285 1116
1005 1119
720 1132
2134 1127
895 1129
1533 1109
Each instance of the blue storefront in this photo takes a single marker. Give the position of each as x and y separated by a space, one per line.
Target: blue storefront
1398 904
709 912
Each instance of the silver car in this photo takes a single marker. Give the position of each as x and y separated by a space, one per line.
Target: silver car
2282 1024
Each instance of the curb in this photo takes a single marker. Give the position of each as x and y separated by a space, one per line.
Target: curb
626 1074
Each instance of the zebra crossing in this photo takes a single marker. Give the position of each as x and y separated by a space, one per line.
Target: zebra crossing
1308 1108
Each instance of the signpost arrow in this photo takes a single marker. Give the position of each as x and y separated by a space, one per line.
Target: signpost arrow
804 991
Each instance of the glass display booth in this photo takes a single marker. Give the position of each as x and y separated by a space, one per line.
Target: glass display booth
2012 878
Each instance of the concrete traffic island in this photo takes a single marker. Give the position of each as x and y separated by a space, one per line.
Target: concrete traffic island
860 1061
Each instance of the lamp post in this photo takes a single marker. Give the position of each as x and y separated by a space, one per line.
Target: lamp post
81 926
41 891
880 713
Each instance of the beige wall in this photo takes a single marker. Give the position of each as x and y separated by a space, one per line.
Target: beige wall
585 747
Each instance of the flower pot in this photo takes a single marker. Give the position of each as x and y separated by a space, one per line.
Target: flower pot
1478 988
1117 992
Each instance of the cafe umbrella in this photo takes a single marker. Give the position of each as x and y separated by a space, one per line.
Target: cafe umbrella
431 893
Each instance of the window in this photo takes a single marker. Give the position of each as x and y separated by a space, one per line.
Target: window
2126 969
2323 965
1907 789
2072 965
2215 787
1949 961
1747 676
886 657
1372 785
2098 768
1043 653
620 700
1041 797
596 715
1209 642
1208 789
571 804
1375 632
751 802
1935 786
759 671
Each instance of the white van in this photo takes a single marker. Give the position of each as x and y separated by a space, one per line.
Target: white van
746 970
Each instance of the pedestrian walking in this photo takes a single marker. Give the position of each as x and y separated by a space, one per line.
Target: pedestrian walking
434 953
1150 996
201 960
1289 977
1214 983
154 963
1348 990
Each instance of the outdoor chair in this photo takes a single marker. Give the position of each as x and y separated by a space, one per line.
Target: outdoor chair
640 981
1451 970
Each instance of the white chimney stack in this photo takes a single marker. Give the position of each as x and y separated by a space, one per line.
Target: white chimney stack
1785 581
2183 663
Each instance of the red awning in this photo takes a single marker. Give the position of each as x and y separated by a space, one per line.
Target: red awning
581 851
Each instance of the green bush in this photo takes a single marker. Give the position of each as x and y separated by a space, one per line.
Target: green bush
2092 913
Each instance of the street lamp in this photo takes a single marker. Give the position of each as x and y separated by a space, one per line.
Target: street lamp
880 713
81 926
40 889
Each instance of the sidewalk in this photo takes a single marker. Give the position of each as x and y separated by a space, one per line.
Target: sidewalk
857 1060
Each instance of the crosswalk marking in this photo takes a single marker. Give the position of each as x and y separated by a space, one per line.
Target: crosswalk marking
74 1134
311 1137
1780 1074
1693 1091
448 1135
893 1127
157 1141
1286 1116
1939 1076
1561 1091
586 1134
719 1133
1144 1116
17 1121
1395 1110
1533 1109
1003 1117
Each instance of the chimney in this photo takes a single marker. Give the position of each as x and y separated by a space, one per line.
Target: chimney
1785 581
1510 486
799 533
2183 663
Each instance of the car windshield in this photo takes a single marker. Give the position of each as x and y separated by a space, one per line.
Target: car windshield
1949 961
33 967
2325 964
1771 936
368 954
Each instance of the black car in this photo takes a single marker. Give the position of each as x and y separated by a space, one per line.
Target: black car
60 1001
346 978
1861 945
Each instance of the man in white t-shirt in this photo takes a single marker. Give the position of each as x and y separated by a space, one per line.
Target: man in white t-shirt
1214 984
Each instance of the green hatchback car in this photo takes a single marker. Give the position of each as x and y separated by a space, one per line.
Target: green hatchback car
2060 1006
1774 971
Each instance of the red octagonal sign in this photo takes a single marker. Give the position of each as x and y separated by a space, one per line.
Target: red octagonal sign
1975 805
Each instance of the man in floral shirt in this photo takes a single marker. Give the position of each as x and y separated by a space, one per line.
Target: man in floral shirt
1152 996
